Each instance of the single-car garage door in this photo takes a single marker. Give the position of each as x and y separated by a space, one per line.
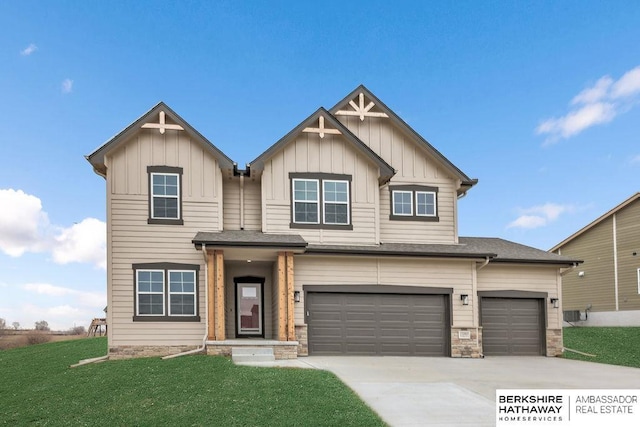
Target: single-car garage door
512 326
377 324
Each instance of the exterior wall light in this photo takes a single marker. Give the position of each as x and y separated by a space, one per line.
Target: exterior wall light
580 273
465 299
296 296
555 302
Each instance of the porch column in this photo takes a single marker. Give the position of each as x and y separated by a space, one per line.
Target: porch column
291 329
282 297
211 308
219 296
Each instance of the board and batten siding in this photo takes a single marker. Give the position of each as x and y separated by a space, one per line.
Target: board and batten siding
414 166
495 277
333 270
131 240
597 286
308 153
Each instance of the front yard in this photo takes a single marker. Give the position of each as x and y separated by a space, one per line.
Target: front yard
38 387
613 346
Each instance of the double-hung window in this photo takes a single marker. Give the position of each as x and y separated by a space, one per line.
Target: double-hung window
166 292
320 200
414 203
165 195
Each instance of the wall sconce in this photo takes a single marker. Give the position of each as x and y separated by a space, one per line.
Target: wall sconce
555 302
465 299
580 273
296 296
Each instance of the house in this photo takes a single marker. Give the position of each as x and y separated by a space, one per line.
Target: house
605 290
340 238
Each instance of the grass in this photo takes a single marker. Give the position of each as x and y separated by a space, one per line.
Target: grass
613 346
37 387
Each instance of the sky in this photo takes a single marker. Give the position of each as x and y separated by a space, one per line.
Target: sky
536 99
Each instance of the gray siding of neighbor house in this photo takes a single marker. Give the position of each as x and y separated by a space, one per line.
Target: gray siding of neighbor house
596 287
628 243
132 240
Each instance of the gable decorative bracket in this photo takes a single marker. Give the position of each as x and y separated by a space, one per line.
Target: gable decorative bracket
161 125
321 129
361 110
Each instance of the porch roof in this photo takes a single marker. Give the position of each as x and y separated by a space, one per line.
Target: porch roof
247 238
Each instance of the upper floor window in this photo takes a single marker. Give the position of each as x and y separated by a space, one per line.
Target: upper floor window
165 195
320 200
166 291
414 203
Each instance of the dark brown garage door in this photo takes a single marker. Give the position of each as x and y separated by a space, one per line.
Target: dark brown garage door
377 324
512 326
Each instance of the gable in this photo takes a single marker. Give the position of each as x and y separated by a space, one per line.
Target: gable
165 122
393 139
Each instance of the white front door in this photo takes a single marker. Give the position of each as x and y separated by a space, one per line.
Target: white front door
249 309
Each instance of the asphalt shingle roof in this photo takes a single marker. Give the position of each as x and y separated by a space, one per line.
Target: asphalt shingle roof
248 238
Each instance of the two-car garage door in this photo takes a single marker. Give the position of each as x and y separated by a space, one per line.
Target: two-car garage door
378 324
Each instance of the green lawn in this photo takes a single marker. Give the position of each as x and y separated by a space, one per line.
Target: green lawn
37 387
613 346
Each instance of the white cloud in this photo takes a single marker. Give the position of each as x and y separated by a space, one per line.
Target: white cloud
25 227
29 50
21 222
83 298
635 160
595 105
540 215
82 242
47 289
67 86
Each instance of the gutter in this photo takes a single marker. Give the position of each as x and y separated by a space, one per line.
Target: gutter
206 310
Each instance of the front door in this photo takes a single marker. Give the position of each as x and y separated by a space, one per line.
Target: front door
249 302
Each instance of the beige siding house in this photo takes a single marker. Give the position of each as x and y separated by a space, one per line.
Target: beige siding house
341 238
605 290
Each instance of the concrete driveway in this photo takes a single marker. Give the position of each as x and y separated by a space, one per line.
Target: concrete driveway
413 391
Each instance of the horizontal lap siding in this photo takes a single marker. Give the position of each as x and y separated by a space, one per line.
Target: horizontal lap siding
596 287
332 154
329 270
628 238
523 278
131 240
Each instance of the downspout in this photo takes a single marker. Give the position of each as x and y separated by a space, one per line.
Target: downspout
241 200
484 263
568 270
615 261
206 311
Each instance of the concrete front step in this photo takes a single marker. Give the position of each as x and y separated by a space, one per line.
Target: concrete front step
252 354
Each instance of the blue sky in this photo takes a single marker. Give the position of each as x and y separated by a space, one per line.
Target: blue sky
538 100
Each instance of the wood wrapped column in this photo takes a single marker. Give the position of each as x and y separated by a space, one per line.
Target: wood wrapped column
211 297
215 299
285 289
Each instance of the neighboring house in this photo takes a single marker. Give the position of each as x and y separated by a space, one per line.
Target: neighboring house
605 290
341 238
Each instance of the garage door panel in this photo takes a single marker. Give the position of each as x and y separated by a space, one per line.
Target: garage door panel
512 326
383 324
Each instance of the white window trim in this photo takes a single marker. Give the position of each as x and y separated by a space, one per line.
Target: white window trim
393 202
317 201
177 197
324 202
138 292
195 300
435 204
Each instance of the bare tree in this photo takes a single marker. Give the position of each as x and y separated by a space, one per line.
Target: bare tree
77 330
42 325
16 325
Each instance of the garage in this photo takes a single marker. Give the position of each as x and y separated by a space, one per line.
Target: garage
512 326
378 320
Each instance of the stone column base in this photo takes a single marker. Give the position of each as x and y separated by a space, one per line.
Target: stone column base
466 342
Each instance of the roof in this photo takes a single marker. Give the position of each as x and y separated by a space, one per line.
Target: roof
498 250
386 171
97 157
246 238
467 182
597 221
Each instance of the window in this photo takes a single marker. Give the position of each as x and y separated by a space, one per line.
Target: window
414 203
320 201
166 292
165 195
